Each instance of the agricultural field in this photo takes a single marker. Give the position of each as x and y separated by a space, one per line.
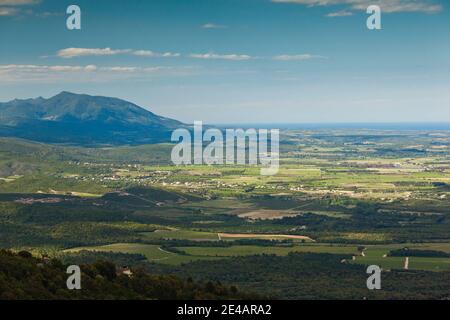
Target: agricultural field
355 195
153 253
244 250
379 255
372 255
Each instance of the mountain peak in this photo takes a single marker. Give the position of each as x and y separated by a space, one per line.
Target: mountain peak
65 93
83 119
68 94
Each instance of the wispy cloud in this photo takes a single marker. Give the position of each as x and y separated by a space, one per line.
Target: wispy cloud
213 26
9 7
69 53
297 57
5 11
84 52
44 14
214 56
18 2
84 73
149 53
13 11
342 13
387 6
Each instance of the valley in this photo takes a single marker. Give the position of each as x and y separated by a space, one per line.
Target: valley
349 197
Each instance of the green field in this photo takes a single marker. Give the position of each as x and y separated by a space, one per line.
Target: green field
153 253
180 234
377 255
373 254
253 250
156 254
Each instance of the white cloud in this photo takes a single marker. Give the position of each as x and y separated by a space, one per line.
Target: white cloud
9 7
90 67
387 6
213 56
14 73
17 2
297 57
144 53
45 14
149 53
5 11
43 68
213 26
68 68
84 52
343 13
14 11
80 52
121 69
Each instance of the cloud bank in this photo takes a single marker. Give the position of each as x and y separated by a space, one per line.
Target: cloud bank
10 7
214 56
387 6
92 73
85 52
213 26
297 57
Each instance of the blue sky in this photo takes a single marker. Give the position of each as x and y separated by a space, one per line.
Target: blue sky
223 61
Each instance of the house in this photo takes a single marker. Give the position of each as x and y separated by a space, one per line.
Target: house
125 270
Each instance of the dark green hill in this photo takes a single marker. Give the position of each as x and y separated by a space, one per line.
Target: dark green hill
27 278
85 120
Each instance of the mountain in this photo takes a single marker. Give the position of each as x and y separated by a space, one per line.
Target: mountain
84 120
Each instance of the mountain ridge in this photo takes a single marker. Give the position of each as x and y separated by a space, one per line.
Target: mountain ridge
82 119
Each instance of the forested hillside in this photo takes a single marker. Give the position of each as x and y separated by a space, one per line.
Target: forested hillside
25 277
